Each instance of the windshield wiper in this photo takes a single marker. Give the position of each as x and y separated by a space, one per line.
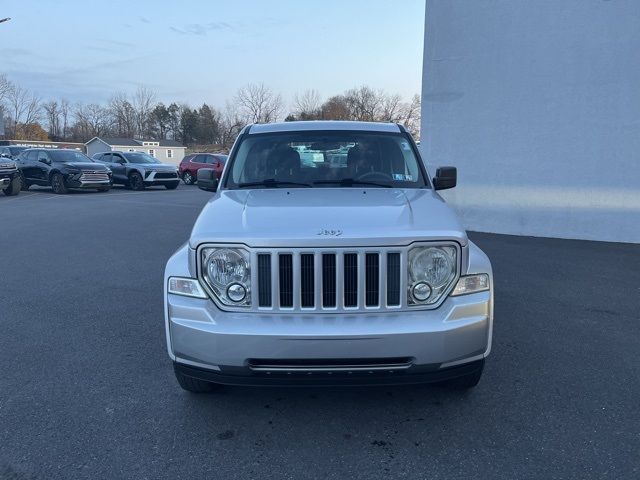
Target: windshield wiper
348 182
273 183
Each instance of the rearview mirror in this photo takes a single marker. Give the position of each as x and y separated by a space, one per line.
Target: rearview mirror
207 179
446 177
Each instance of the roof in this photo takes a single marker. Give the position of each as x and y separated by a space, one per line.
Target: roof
132 142
324 125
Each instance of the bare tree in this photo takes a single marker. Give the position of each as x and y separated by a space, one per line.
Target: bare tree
65 109
335 108
5 86
52 111
411 116
92 120
230 125
307 105
391 108
24 107
143 103
123 114
258 103
364 103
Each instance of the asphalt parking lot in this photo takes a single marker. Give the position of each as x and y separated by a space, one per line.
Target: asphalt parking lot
87 390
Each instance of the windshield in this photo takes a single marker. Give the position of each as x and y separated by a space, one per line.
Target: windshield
16 150
140 157
325 159
68 156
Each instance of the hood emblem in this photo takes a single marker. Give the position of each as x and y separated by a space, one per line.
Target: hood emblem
329 232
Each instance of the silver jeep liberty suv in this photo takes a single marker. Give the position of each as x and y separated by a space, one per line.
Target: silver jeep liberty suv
326 256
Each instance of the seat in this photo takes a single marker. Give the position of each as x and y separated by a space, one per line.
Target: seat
286 163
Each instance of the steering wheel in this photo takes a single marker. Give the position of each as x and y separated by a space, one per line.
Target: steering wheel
374 176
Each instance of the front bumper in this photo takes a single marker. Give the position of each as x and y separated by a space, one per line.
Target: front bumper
227 343
6 177
151 179
416 374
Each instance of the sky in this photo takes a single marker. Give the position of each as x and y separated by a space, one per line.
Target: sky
202 51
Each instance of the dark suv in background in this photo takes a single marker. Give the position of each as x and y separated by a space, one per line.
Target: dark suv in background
62 169
138 170
190 165
11 151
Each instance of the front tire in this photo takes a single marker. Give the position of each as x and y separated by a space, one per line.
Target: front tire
187 178
171 186
136 182
58 185
23 182
14 187
194 385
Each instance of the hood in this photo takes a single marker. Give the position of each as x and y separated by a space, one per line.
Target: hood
326 216
87 165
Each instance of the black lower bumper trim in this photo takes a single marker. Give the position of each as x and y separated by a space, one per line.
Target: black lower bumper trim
412 375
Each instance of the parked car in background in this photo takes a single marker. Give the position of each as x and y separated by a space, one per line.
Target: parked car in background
188 169
328 272
10 182
138 170
11 151
62 169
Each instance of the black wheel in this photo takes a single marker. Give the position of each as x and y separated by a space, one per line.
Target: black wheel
194 385
135 181
466 381
57 184
171 186
14 187
187 178
104 189
23 183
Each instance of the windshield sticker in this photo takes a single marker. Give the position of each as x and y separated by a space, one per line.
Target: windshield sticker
405 146
403 177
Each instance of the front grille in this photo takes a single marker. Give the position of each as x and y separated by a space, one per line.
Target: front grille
329 280
94 177
166 175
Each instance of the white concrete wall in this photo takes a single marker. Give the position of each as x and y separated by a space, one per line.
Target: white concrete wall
537 102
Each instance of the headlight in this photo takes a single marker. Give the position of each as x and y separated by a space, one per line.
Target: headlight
227 272
431 272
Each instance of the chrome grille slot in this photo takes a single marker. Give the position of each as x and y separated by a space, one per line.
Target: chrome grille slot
329 280
264 280
393 279
306 280
286 280
350 279
372 280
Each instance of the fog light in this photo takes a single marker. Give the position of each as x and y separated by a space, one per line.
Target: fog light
421 291
236 292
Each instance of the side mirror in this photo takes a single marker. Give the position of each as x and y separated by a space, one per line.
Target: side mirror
207 179
446 177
